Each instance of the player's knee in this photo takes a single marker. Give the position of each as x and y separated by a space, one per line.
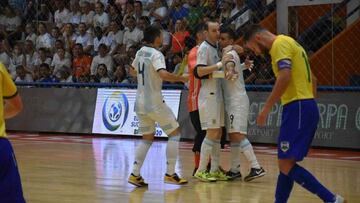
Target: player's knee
285 165
148 137
236 137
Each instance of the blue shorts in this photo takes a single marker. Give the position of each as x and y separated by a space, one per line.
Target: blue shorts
10 184
298 126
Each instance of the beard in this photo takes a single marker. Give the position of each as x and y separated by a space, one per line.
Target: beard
263 49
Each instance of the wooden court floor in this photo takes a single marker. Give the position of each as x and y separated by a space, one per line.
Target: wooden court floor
94 170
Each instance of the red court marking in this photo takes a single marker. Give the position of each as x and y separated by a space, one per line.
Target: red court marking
337 154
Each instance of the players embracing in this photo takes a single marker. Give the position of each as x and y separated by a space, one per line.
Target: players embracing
219 97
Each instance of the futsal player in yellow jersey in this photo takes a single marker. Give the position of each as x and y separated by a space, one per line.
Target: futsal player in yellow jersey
296 86
10 106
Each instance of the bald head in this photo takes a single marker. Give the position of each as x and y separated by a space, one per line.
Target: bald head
212 31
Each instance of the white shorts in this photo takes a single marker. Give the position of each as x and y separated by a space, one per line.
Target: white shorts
163 115
237 116
211 113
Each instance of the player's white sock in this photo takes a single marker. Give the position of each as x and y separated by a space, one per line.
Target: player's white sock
140 154
172 152
248 151
206 148
235 156
215 156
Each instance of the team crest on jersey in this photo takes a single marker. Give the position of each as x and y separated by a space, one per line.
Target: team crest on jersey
115 111
284 146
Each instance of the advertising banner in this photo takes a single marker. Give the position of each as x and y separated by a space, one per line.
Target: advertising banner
115 113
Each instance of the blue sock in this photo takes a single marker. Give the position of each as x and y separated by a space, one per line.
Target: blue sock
309 182
283 188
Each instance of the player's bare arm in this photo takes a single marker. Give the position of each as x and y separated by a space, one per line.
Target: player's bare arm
170 77
12 106
280 86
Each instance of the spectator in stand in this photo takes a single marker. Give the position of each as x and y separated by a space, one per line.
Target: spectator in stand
44 14
60 45
257 8
12 24
85 39
139 11
212 10
195 14
100 39
226 7
16 59
45 74
120 75
30 33
87 16
42 58
241 20
55 35
44 39
132 35
84 79
4 56
30 12
22 75
102 58
30 56
65 75
178 40
158 12
62 14
143 23
69 36
57 63
166 37
102 74
81 63
116 36
75 14
115 15
129 11
177 11
101 18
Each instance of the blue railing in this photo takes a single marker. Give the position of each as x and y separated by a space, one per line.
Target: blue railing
171 86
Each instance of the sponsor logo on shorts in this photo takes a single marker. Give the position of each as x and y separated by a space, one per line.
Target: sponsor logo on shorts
284 146
115 111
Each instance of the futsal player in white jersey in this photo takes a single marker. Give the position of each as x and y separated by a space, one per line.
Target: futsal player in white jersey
150 65
237 109
210 103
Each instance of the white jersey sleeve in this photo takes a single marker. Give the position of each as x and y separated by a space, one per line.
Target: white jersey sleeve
158 61
202 56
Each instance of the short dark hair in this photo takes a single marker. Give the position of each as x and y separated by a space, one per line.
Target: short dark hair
252 30
130 17
45 65
151 33
146 19
231 33
139 2
102 46
199 28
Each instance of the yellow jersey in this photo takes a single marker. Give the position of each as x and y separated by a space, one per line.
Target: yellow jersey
300 86
7 90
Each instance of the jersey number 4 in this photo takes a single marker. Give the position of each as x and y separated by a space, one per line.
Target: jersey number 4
141 70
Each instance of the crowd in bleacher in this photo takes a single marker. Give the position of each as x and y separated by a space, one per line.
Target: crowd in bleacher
96 40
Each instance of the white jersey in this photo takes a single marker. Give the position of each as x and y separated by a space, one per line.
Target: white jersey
234 90
148 61
208 55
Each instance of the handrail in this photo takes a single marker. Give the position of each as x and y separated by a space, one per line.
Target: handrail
173 86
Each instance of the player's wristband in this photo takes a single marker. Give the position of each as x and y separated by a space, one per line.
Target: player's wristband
219 65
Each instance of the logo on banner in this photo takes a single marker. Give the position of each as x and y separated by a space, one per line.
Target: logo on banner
115 111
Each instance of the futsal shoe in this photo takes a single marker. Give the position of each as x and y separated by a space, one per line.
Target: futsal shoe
174 179
204 176
339 199
220 176
255 173
233 175
138 181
